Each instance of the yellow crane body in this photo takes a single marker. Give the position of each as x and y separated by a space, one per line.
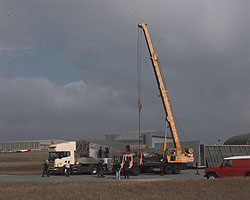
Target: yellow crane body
180 157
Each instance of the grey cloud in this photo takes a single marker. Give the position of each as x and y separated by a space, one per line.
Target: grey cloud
203 48
42 109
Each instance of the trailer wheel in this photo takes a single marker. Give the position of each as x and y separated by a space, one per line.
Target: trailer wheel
135 171
168 169
176 169
93 169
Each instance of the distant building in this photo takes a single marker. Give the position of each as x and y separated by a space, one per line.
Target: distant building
238 140
151 138
111 137
147 137
33 144
212 155
129 138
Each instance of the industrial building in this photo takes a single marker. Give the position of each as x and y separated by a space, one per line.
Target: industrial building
238 140
33 144
147 137
212 155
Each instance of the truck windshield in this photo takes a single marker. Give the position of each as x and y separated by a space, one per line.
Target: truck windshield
55 155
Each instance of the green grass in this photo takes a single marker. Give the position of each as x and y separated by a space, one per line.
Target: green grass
237 188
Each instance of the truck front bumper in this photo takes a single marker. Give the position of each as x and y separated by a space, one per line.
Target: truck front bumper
56 170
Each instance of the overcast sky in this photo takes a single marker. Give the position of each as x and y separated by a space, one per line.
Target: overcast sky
68 68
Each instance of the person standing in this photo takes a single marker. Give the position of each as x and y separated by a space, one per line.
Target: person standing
162 168
67 168
173 155
126 169
100 152
46 168
197 169
128 148
117 170
106 152
100 169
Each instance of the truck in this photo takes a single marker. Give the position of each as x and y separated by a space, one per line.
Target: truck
78 154
169 161
235 166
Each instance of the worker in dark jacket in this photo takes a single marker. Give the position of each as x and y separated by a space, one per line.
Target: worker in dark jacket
45 168
100 169
100 152
106 153
128 148
126 169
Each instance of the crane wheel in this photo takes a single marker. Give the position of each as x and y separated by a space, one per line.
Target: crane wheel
135 171
176 169
168 169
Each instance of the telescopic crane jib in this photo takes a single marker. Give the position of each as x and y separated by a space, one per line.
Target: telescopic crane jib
177 150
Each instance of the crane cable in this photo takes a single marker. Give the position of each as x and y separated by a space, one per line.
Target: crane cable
138 63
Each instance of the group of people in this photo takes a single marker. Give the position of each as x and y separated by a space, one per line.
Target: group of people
125 169
117 167
100 166
101 152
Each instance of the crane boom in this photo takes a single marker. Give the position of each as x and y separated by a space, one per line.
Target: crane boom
162 89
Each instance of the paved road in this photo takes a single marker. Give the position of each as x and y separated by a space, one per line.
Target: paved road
185 174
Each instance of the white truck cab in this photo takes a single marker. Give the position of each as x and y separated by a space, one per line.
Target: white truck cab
61 153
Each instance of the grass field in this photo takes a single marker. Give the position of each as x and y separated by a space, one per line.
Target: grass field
237 188
22 163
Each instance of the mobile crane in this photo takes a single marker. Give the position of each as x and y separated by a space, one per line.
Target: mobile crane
168 161
173 157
